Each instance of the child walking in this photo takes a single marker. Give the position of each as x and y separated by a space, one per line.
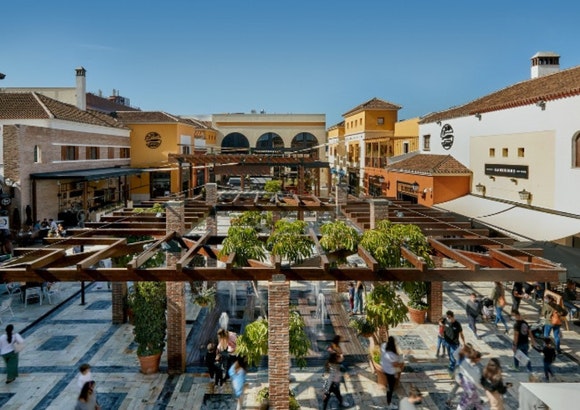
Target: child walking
440 338
332 385
549 353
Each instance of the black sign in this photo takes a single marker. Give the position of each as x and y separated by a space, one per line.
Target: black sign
447 136
512 171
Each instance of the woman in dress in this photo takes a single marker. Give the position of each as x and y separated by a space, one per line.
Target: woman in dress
9 353
88 398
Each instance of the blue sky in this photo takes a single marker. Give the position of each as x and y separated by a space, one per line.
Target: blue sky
315 57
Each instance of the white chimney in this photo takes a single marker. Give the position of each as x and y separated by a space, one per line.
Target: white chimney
81 89
544 63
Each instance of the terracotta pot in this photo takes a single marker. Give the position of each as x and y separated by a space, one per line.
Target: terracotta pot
381 376
417 316
150 364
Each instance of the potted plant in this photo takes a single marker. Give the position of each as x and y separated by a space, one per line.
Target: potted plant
158 209
363 326
264 398
340 240
245 243
204 296
375 358
288 241
149 305
417 293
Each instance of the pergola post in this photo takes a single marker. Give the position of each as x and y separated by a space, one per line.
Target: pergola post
379 211
176 336
278 342
435 301
118 294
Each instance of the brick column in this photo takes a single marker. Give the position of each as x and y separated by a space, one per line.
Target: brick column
379 211
176 348
435 300
278 342
341 197
118 294
211 196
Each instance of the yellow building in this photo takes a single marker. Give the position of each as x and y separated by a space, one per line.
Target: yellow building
155 135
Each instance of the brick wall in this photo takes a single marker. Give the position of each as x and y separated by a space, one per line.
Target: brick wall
118 291
278 342
435 300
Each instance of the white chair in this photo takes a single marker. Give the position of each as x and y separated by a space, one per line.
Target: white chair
52 291
6 307
31 293
14 289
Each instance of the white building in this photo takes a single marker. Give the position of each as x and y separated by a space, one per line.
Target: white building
523 145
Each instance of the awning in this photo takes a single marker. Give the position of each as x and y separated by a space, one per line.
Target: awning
513 220
88 174
566 256
554 395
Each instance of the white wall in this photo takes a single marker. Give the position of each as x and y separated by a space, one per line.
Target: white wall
546 136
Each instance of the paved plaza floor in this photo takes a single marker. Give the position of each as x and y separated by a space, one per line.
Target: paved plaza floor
61 336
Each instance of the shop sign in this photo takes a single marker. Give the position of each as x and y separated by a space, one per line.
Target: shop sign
512 171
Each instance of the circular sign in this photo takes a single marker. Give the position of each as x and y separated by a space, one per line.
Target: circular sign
153 140
6 201
447 136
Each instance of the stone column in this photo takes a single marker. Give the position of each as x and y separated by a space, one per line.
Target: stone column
278 342
118 294
379 211
176 337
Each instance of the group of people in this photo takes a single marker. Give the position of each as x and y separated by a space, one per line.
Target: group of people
223 364
355 297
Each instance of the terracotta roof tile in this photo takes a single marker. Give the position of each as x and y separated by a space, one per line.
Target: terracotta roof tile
372 104
31 105
105 105
563 84
430 164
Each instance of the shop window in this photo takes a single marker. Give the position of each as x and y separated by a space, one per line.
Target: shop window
426 142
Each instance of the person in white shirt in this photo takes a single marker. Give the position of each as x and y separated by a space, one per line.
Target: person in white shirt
390 363
85 375
8 352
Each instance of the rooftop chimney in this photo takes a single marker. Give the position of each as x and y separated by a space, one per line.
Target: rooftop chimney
81 88
544 63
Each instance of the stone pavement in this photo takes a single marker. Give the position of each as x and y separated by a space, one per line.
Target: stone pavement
60 337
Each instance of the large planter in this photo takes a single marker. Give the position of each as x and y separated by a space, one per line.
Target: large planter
417 316
150 364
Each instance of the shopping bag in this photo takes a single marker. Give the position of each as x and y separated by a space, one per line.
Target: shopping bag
18 347
521 357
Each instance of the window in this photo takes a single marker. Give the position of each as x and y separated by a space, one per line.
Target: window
125 152
504 152
576 151
37 154
405 147
92 153
380 120
521 152
426 142
492 152
69 153
111 153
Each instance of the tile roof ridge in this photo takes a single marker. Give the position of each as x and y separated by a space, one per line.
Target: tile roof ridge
43 105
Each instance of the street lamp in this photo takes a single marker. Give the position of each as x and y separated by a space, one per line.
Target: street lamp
2 76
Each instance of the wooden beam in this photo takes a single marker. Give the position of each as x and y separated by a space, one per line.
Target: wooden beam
417 262
368 258
100 255
149 252
453 254
509 260
191 252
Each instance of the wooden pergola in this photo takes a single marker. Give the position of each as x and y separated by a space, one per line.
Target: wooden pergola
476 255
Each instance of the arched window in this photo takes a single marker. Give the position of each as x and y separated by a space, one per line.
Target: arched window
304 140
270 141
235 143
37 154
576 151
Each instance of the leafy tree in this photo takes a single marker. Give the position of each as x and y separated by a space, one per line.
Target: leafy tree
273 186
246 244
338 237
288 240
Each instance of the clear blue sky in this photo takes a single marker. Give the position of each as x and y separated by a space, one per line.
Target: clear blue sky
319 57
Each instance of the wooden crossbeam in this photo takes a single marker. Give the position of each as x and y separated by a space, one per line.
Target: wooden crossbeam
453 254
323 257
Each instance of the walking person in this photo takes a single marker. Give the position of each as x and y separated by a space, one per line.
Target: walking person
522 338
465 351
517 295
453 335
88 397
498 297
390 363
410 402
552 314
472 310
440 338
8 349
351 296
332 384
358 298
212 364
469 376
237 373
493 385
549 357
85 375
